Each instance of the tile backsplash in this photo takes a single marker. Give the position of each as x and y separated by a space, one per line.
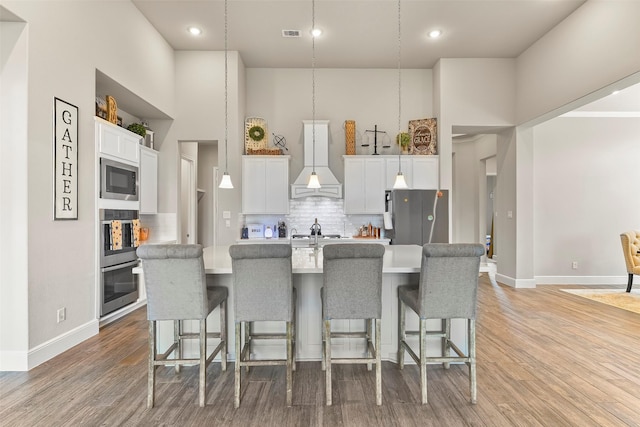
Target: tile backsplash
303 212
162 226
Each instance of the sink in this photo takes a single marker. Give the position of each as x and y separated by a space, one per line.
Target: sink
308 240
320 236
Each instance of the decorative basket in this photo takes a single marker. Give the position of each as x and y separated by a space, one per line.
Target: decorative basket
112 110
264 152
350 137
256 135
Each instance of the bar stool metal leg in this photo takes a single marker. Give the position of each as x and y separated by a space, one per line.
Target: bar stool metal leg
423 360
446 341
176 339
378 364
327 357
369 340
293 329
324 343
248 331
472 361
238 376
289 362
151 374
402 336
203 362
223 335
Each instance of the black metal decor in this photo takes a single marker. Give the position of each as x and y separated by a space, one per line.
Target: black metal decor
375 132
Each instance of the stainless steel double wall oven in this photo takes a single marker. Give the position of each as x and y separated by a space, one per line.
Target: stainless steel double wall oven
119 286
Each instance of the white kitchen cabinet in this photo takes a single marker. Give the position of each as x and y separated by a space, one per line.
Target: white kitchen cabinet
425 172
391 167
420 172
148 180
265 184
364 184
116 142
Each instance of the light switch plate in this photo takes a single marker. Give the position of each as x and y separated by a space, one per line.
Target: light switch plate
226 214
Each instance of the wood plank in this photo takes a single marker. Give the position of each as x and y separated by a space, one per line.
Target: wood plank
545 357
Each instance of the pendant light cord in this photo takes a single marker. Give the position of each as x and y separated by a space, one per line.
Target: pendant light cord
313 81
399 90
226 93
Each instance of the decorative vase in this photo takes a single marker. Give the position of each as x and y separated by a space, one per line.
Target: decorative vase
350 137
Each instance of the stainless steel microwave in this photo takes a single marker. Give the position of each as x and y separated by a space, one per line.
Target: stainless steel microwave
118 180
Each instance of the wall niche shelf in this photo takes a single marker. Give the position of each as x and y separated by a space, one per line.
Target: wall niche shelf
133 108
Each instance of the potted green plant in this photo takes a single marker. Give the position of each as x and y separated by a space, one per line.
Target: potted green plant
403 141
137 128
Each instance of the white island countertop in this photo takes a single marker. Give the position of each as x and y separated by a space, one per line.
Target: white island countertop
397 259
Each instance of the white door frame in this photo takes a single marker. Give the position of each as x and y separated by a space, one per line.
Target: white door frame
214 209
190 200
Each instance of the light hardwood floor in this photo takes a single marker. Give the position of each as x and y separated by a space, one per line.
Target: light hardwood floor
545 358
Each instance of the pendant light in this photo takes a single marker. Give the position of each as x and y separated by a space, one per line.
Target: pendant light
399 183
313 178
226 178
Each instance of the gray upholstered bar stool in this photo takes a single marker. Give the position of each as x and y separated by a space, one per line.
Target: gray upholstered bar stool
447 290
262 291
176 288
352 289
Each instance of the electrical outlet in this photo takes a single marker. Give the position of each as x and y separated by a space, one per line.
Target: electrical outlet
62 314
574 265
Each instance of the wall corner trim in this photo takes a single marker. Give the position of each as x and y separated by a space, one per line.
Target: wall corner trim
61 343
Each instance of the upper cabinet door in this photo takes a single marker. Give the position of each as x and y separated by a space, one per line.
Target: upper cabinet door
277 185
364 184
265 184
117 142
148 181
425 173
392 171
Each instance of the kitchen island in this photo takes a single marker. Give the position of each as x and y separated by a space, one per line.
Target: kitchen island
401 267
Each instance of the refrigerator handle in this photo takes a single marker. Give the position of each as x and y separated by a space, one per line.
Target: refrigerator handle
387 201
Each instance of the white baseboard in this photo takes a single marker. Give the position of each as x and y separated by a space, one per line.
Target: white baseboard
516 283
61 343
582 280
13 361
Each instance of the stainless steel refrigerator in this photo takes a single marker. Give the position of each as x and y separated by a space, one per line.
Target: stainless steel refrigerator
419 217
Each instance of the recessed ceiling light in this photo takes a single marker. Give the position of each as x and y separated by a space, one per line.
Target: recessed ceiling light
615 92
194 31
434 34
316 32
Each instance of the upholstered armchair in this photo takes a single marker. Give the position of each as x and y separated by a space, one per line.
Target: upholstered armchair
631 248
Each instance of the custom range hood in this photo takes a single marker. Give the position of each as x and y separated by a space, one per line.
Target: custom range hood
329 185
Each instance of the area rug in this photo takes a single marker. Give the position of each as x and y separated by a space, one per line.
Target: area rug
614 297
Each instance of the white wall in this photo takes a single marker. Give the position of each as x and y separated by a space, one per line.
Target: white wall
586 193
14 314
368 96
595 46
474 93
200 117
63 54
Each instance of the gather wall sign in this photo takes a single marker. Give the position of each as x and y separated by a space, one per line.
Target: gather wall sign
65 124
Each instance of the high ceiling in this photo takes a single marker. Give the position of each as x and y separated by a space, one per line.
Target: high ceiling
358 33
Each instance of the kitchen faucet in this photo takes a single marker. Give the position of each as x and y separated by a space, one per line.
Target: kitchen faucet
293 231
315 231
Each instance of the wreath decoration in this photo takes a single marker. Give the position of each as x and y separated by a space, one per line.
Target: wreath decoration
256 133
